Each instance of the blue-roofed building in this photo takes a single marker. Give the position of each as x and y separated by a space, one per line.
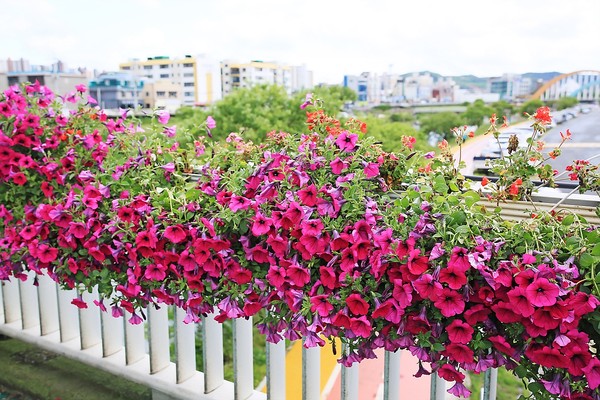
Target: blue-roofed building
115 90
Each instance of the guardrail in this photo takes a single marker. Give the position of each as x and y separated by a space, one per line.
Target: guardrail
39 312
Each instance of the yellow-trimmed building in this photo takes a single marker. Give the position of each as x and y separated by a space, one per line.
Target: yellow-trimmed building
198 77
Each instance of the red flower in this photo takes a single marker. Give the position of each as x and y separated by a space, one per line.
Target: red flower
47 254
592 373
357 305
175 233
449 373
459 332
542 115
450 303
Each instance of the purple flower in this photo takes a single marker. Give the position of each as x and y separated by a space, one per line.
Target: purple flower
308 100
163 117
210 124
170 167
170 131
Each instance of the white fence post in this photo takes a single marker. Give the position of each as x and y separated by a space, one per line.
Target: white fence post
311 373
112 334
68 317
391 375
48 305
243 368
135 340
438 387
212 340
490 383
350 382
158 321
12 307
89 321
30 313
185 346
276 370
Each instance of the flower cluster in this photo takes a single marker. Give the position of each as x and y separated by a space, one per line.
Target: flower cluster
319 234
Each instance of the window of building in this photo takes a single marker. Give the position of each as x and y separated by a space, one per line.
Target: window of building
147 94
173 95
126 68
188 94
188 84
188 65
188 74
147 66
164 66
160 93
164 75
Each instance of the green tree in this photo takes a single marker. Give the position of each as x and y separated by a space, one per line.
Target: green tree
566 102
531 106
334 97
255 111
441 123
476 112
401 117
502 108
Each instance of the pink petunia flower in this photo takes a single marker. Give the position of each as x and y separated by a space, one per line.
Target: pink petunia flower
541 292
346 141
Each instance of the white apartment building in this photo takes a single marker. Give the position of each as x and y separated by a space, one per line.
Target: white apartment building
198 76
242 75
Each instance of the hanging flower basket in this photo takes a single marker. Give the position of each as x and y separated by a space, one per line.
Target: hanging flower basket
319 235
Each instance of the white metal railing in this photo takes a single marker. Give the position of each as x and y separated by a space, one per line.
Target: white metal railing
43 315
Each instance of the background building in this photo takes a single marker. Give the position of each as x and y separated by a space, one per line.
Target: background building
199 77
242 75
114 90
57 77
511 86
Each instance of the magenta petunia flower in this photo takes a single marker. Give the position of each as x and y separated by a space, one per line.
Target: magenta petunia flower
541 292
361 326
371 170
357 305
321 305
459 332
308 195
338 166
175 233
47 254
261 225
450 303
346 141
163 117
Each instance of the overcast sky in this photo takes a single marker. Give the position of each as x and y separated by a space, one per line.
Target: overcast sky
331 37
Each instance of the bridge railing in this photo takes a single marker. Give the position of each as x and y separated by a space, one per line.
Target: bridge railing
42 314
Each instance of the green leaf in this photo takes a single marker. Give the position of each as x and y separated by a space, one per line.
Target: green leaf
596 250
587 260
471 197
439 184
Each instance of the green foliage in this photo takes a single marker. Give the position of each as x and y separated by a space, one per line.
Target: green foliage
566 102
477 112
401 117
333 97
255 111
531 106
509 386
502 108
390 133
441 123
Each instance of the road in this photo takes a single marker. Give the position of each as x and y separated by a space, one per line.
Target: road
585 142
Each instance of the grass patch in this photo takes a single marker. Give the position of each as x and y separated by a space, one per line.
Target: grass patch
47 376
509 386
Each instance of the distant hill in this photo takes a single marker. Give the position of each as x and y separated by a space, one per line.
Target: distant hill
480 83
544 76
470 82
